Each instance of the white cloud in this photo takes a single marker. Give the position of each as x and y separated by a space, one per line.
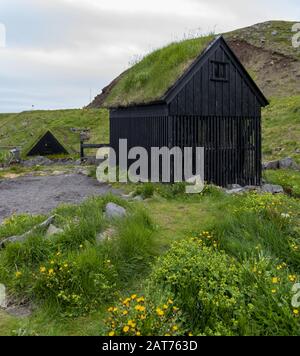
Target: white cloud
57 50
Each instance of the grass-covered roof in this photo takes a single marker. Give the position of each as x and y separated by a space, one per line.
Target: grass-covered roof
150 79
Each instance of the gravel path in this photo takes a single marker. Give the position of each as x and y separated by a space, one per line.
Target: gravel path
41 194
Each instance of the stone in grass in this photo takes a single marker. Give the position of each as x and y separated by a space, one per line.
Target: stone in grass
113 211
3 298
235 191
273 189
37 161
287 163
138 198
271 165
105 235
53 230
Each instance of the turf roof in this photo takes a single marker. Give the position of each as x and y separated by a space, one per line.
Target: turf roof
40 136
150 79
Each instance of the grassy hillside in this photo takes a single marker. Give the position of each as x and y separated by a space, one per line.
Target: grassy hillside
281 128
22 129
265 50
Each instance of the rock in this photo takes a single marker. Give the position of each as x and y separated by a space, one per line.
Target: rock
297 151
113 211
3 298
252 188
53 230
105 235
287 163
274 33
273 189
233 186
22 238
271 165
37 161
235 191
138 198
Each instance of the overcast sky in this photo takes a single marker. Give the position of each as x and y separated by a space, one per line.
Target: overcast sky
58 50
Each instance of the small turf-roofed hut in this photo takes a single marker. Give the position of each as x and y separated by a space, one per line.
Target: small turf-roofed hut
47 144
189 94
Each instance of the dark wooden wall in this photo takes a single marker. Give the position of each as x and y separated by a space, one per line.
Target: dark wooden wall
203 96
223 116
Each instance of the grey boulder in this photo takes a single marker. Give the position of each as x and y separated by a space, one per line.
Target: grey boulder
113 211
53 230
273 189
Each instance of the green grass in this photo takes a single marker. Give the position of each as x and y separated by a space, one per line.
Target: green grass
150 79
289 179
281 128
24 128
249 229
281 42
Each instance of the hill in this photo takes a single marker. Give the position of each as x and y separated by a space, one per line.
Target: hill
264 49
22 129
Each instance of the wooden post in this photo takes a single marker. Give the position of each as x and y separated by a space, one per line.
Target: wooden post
81 150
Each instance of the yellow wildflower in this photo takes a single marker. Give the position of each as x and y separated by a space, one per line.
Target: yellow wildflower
140 300
111 333
51 271
18 274
42 269
138 333
126 329
126 301
296 312
165 306
159 312
133 296
175 309
274 291
292 278
110 309
131 323
275 280
140 308
125 312
175 328
170 301
81 246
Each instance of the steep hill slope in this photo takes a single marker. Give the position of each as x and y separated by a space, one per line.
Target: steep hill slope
265 50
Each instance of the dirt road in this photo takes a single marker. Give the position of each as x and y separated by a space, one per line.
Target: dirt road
41 194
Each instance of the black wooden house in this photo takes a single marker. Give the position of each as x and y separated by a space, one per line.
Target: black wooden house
214 104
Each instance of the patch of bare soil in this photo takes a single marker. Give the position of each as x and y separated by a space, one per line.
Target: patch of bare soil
275 73
41 194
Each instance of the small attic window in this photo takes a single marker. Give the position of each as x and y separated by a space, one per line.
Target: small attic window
219 71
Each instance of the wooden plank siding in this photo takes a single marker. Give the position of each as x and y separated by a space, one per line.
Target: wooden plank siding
223 116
